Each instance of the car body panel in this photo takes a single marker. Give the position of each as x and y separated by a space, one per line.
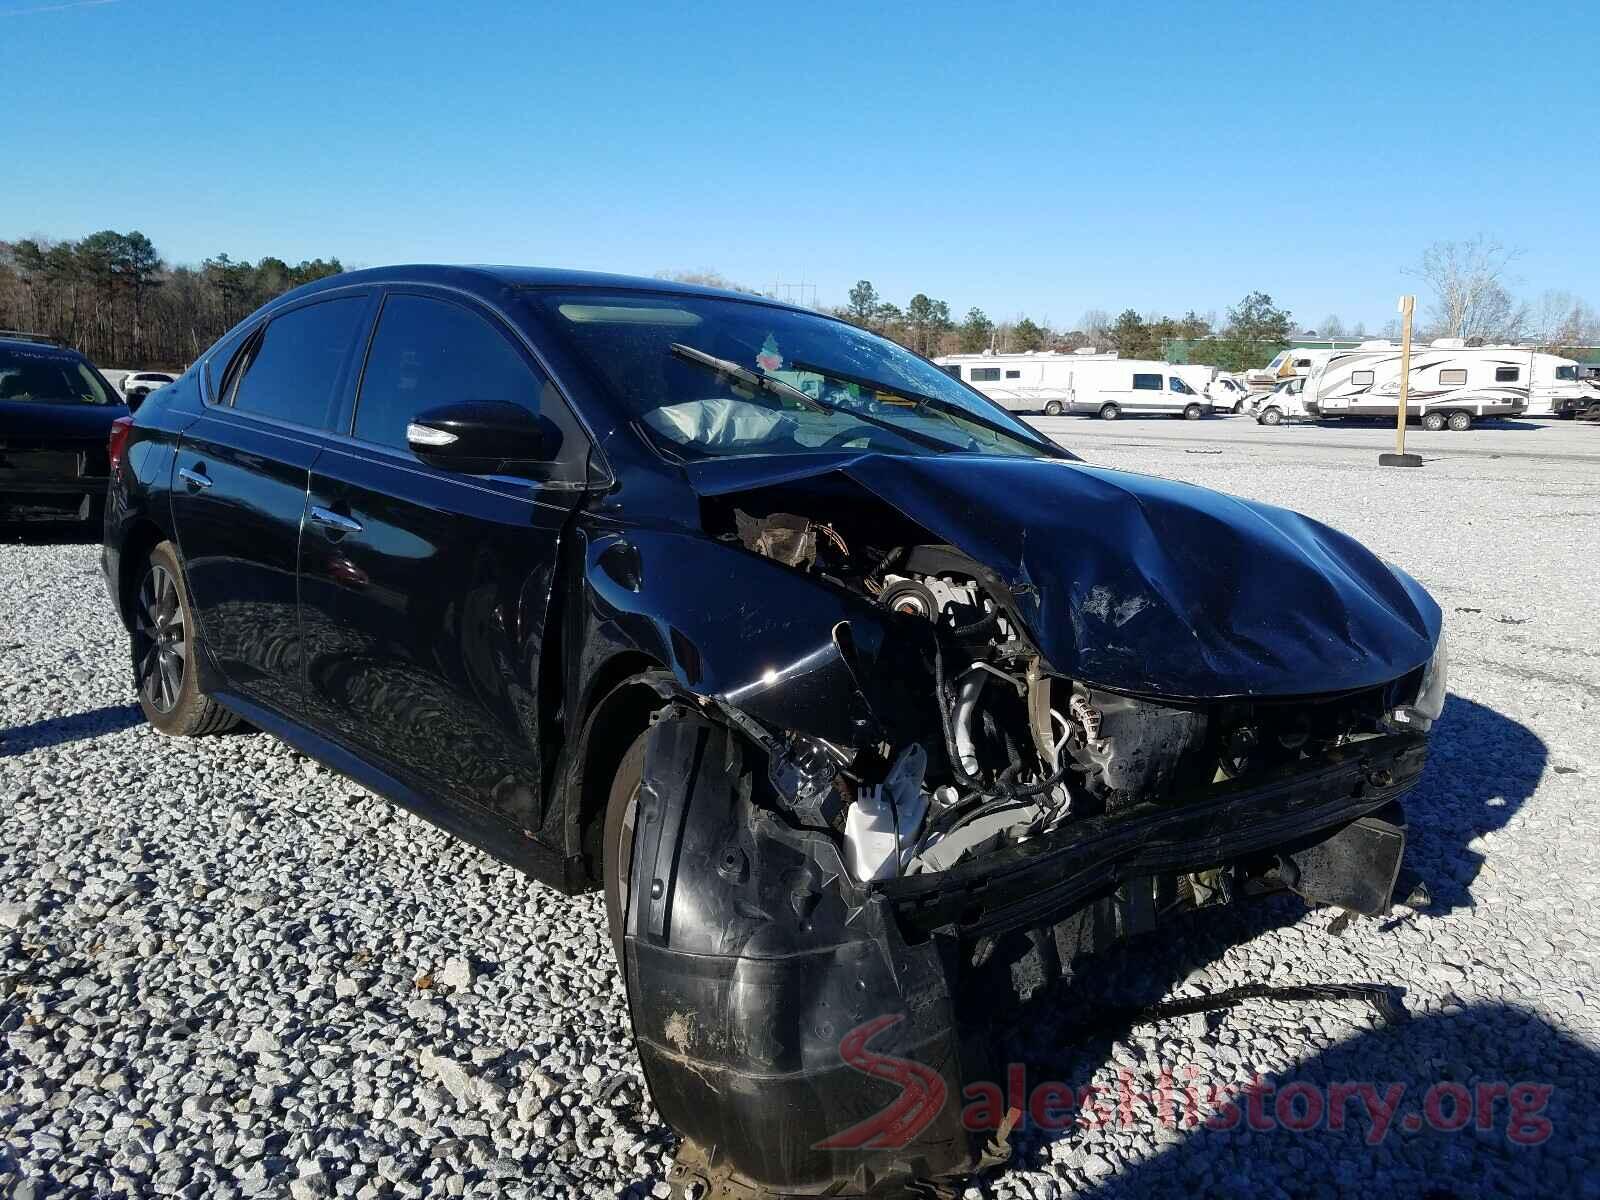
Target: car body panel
1146 585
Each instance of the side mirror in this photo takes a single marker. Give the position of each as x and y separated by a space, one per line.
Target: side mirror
483 438
134 401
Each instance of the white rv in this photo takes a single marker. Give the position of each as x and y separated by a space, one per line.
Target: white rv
1286 402
1286 364
1037 381
1089 383
1451 384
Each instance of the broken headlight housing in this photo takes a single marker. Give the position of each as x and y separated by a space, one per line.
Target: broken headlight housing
1423 711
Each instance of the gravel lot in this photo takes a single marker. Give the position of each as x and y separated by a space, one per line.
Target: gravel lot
225 971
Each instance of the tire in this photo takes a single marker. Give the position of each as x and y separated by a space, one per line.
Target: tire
1109 412
1238 407
616 862
165 643
1433 421
1192 413
1460 421
1053 409
1271 416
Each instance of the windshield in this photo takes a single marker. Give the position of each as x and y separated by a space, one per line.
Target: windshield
704 377
50 377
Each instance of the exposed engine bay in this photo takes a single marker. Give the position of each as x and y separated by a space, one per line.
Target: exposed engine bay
999 748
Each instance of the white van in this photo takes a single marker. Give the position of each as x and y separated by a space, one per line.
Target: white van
1134 386
1286 402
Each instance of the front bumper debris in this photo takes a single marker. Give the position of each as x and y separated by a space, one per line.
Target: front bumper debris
806 1035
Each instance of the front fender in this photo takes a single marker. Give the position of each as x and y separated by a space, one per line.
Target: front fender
786 648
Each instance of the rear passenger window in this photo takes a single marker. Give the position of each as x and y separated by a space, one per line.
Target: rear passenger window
294 367
431 352
1507 374
1453 378
1146 383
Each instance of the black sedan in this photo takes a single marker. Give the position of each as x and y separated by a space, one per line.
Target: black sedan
849 689
56 413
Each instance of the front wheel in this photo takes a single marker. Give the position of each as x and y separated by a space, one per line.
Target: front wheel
1433 421
1271 417
1109 412
1460 421
165 641
1192 413
622 811
1053 409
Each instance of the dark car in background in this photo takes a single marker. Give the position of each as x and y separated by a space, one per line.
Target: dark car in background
56 413
849 689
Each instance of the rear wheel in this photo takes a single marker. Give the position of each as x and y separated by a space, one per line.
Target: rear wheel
1109 412
1192 413
165 641
1459 421
1433 421
622 811
1053 409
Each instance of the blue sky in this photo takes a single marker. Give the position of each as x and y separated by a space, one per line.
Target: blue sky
1018 157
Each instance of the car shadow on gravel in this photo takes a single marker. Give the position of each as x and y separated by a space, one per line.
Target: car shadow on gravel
1480 1100
50 533
1482 767
72 727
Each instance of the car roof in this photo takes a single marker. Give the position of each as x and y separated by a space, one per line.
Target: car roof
488 280
56 349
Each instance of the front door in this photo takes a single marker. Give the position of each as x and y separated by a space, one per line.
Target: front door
425 592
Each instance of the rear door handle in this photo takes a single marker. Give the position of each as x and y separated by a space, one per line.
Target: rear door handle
195 478
335 521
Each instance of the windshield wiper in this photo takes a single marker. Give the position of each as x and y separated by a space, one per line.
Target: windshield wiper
778 387
942 406
745 375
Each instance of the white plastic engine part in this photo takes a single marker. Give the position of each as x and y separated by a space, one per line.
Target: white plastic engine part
884 820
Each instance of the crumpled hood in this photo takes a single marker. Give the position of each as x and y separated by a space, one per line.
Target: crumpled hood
1146 585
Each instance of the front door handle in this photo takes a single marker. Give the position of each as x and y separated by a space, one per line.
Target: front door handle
337 522
195 478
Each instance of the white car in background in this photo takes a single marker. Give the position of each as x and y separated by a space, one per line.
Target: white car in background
142 383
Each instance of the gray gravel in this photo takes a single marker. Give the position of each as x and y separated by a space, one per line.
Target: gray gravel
225 971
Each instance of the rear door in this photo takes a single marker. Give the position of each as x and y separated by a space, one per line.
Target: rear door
239 488
425 592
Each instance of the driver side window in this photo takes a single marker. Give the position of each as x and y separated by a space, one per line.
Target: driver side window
430 352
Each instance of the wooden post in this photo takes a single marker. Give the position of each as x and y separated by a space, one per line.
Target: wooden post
1408 306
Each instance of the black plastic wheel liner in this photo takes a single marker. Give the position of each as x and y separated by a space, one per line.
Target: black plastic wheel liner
748 970
805 1035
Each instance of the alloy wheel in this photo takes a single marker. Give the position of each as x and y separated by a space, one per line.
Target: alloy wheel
163 647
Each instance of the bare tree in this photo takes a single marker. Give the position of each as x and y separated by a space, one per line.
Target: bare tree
1559 319
1468 280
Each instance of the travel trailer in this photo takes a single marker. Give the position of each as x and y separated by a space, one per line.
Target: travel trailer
1090 383
1451 384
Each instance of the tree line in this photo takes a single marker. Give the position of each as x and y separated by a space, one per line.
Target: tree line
1255 329
112 295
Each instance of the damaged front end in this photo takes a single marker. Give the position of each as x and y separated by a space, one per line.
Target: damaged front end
833 857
